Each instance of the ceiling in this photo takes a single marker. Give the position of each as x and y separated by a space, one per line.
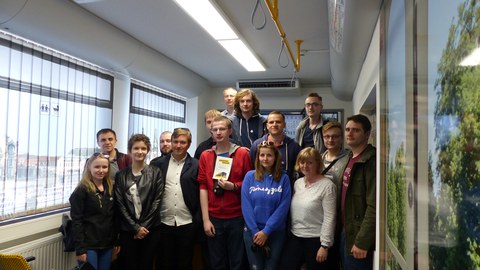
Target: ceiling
165 27
118 28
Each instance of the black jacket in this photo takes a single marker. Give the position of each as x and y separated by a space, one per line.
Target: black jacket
93 219
188 182
150 189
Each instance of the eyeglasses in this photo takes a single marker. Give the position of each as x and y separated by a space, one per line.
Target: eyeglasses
312 104
331 137
266 143
101 154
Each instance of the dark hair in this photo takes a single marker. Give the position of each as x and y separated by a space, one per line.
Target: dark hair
276 168
313 94
361 119
139 138
278 113
106 130
241 94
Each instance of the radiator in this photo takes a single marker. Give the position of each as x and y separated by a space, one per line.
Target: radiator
48 252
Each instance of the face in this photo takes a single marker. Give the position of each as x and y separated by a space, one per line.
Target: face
139 151
313 106
166 143
308 167
332 138
246 103
107 142
275 124
180 146
209 122
220 131
266 156
355 136
99 168
229 97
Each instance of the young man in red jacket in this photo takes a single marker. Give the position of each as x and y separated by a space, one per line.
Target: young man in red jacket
221 172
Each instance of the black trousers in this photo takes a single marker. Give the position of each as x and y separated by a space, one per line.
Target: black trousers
139 253
298 251
176 247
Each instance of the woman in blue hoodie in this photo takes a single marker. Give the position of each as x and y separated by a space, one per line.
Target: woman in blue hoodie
266 197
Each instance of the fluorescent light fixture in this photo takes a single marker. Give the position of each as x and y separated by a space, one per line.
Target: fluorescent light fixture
473 59
242 54
217 25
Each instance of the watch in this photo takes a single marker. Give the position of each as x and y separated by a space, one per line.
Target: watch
325 247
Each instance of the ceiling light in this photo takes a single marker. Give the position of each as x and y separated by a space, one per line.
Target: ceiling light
211 18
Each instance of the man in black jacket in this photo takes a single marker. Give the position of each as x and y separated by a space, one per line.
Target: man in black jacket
180 211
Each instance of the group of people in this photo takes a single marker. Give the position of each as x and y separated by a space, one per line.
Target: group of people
256 198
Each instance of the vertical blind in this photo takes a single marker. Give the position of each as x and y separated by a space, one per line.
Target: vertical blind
51 106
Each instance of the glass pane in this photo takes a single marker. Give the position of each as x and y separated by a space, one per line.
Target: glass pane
454 135
396 125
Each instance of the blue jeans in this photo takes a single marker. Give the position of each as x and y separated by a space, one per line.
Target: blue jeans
226 247
349 262
100 259
257 259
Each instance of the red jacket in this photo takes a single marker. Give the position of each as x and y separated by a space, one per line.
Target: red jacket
228 205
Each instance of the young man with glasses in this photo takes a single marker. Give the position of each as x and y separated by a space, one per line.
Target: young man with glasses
335 158
107 140
179 211
220 175
309 130
287 147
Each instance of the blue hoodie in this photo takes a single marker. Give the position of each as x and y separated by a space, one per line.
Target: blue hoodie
265 204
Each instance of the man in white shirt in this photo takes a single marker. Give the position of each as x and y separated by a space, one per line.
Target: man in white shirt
180 211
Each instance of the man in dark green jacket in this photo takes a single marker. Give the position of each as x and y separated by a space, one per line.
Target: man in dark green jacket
357 203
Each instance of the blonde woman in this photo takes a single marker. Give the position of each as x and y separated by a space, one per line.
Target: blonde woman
92 211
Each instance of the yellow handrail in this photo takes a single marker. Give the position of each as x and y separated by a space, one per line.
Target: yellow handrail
273 8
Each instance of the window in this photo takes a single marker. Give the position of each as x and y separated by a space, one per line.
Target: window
51 105
153 111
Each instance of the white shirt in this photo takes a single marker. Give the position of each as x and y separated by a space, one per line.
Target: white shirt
174 211
313 210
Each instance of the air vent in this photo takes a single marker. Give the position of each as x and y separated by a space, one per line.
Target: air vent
278 86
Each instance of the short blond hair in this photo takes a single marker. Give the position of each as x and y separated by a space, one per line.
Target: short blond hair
310 153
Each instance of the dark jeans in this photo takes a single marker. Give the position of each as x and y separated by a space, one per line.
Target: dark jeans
299 250
139 254
176 247
349 262
258 259
226 247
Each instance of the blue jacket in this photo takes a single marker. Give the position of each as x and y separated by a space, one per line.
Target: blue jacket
247 131
265 204
188 182
289 151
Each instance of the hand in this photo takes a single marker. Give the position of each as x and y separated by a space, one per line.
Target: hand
209 228
82 258
141 233
322 254
225 184
116 250
260 238
358 253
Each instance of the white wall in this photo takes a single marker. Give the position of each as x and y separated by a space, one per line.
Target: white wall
370 74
